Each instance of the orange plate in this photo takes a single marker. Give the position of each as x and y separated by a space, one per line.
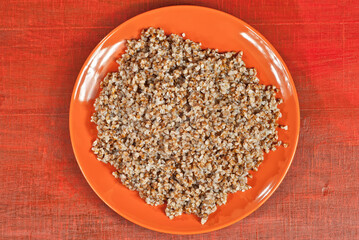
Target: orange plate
214 29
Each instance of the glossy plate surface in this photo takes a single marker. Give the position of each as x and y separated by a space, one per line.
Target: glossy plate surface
214 29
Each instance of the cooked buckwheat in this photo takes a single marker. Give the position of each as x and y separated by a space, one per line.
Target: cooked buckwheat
184 125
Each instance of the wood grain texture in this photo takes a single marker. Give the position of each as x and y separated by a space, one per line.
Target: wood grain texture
43 45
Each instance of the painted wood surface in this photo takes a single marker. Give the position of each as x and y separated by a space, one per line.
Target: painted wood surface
43 45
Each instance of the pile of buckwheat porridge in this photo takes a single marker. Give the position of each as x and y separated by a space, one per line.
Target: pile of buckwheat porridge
184 125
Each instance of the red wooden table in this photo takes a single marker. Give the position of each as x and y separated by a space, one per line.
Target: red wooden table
43 45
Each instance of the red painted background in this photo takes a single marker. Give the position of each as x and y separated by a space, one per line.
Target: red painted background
43 45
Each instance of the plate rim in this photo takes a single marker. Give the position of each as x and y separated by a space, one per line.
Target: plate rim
296 101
